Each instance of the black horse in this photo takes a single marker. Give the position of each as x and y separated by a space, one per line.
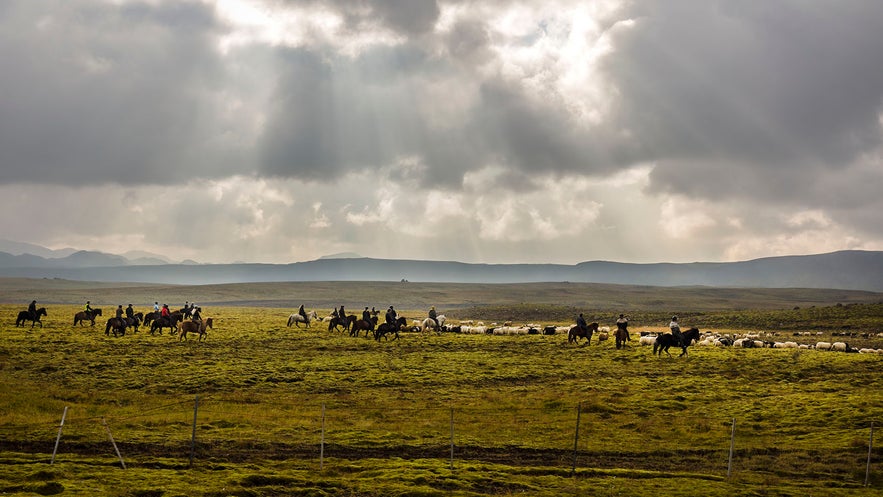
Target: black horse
346 322
389 328
116 325
166 322
665 341
34 318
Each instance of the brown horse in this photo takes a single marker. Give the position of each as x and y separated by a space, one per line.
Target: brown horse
622 336
33 318
117 325
576 333
346 322
185 327
81 317
360 324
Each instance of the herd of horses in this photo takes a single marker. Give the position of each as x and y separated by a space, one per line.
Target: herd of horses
176 322
354 325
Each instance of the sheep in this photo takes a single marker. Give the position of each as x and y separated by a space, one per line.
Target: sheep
467 322
823 345
604 329
867 351
647 340
842 347
602 335
549 330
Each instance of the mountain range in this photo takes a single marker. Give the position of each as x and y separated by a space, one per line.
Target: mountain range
848 270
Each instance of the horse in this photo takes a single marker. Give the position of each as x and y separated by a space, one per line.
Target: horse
346 322
169 322
296 319
33 318
200 327
429 323
576 333
82 316
663 342
386 328
134 322
622 336
117 325
150 316
360 324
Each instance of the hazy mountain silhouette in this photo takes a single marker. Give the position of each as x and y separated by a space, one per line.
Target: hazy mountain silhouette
853 270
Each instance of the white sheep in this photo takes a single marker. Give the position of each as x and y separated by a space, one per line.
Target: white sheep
841 347
823 345
648 340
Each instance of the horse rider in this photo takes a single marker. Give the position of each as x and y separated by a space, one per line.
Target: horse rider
130 312
341 314
391 315
366 315
156 307
623 324
676 330
88 309
195 316
302 312
164 312
581 323
32 309
433 316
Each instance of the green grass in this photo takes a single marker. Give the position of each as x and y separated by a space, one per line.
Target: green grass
648 425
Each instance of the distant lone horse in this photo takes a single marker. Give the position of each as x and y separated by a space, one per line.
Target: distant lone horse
81 317
665 341
33 318
576 333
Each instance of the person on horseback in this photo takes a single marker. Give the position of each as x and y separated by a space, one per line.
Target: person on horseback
623 324
88 310
195 316
130 312
164 313
156 307
676 331
32 309
342 315
581 323
366 315
391 315
433 316
302 312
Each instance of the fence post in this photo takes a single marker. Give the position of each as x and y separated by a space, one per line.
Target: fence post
870 449
322 442
452 439
193 435
58 438
732 445
112 442
579 410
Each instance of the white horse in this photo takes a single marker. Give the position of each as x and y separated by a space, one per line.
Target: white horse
296 319
429 324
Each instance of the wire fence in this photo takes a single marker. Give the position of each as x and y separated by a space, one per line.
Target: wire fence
575 438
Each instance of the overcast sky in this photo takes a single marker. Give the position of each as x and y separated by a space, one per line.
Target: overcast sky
479 131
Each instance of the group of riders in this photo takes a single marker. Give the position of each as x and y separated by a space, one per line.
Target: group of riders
370 315
622 324
127 317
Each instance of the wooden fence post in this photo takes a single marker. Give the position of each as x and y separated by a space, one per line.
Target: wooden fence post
579 410
870 449
732 446
322 442
58 438
112 442
193 435
452 439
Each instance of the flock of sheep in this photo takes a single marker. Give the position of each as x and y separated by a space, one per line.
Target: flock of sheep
708 339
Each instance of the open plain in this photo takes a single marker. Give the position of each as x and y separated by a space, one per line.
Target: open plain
260 408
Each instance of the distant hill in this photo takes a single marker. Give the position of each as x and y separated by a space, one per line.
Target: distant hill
852 270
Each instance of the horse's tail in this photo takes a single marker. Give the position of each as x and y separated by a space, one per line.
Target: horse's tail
656 346
290 319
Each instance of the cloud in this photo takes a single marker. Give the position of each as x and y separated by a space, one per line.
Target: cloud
482 131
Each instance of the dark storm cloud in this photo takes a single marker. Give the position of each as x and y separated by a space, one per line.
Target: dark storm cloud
748 88
98 93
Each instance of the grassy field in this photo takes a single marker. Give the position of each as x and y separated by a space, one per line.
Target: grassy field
285 411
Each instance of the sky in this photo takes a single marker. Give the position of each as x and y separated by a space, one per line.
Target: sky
490 131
